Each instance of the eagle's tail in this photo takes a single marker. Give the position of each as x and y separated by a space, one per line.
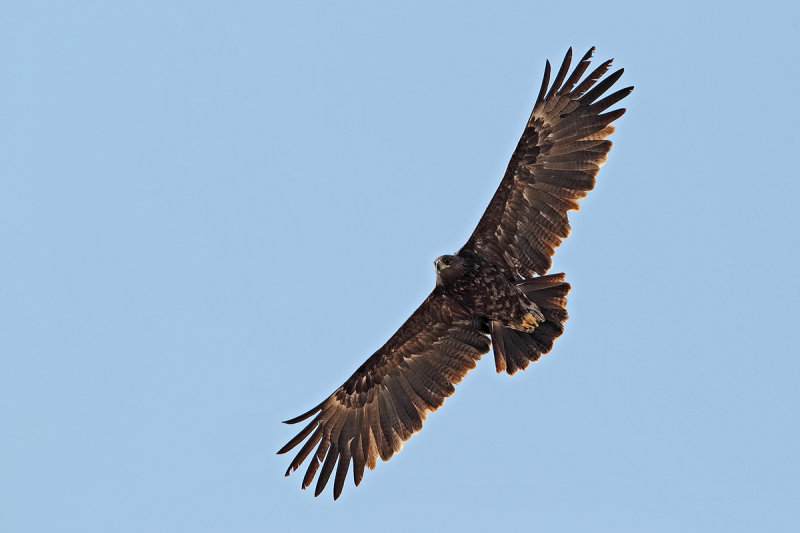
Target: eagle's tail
513 349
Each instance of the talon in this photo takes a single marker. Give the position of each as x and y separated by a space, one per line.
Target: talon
529 321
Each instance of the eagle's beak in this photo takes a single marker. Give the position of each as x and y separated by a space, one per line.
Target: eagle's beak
438 265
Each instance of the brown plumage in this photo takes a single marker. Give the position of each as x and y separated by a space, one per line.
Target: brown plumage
495 286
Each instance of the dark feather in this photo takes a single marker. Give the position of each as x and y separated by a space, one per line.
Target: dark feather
341 472
604 103
601 87
327 468
545 80
305 450
580 68
313 465
562 72
590 80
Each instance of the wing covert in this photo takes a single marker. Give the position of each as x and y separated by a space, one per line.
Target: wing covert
553 166
388 397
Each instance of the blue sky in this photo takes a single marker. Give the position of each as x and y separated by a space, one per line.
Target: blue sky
212 214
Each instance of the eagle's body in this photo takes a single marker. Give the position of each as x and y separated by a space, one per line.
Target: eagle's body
494 293
483 290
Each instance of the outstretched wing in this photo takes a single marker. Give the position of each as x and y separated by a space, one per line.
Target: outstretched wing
554 165
386 400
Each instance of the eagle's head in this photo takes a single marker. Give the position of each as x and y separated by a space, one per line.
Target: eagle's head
448 267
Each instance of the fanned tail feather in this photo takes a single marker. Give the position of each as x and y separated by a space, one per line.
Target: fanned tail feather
513 349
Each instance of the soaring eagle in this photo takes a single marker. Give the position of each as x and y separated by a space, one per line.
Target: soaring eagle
496 286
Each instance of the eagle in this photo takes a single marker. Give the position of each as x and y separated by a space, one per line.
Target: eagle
495 292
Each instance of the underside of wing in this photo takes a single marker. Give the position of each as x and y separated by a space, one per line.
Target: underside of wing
554 165
386 400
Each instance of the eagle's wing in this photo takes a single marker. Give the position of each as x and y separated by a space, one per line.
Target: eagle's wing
385 401
553 166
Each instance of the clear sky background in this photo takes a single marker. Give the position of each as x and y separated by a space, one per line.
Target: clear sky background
212 213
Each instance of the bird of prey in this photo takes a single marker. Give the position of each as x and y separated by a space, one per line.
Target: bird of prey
494 292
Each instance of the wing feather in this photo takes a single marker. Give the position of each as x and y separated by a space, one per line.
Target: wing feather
313 465
388 398
555 164
341 471
308 446
562 72
327 468
359 454
578 72
590 80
